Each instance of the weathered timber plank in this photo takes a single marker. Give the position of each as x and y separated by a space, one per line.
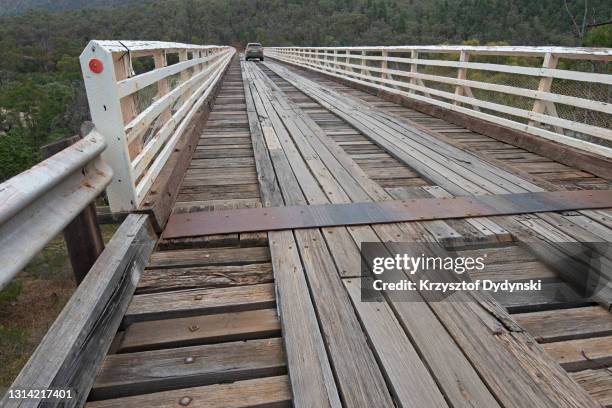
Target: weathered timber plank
567 324
158 280
222 163
201 330
582 354
598 383
222 153
131 374
271 392
235 192
194 302
190 181
211 205
208 241
220 192
209 256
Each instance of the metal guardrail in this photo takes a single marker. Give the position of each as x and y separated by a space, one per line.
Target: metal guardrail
143 115
561 94
37 204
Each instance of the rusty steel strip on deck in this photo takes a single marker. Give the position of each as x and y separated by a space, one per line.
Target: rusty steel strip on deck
329 215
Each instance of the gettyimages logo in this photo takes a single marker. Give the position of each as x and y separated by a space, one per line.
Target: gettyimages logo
417 271
413 264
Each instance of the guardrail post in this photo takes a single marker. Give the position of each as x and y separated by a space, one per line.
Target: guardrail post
414 68
123 70
347 60
414 55
461 90
82 235
107 113
335 60
364 71
541 106
160 60
384 65
184 75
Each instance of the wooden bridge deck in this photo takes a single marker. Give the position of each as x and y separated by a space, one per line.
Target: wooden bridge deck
203 328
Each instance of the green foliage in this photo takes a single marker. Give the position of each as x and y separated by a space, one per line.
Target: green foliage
33 114
10 7
12 340
10 292
13 344
17 153
599 37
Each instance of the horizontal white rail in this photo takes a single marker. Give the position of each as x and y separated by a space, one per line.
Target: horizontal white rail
143 116
503 50
37 204
524 88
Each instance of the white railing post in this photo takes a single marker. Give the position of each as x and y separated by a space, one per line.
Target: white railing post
461 90
464 56
184 75
160 60
384 67
107 115
347 61
383 64
414 54
539 105
335 60
364 63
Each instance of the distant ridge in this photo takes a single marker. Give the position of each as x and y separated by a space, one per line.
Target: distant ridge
15 7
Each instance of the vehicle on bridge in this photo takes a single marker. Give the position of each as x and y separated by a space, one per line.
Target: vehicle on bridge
254 50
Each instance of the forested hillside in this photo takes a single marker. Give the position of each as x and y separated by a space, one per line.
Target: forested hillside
41 94
12 7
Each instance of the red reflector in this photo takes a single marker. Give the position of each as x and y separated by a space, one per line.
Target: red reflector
96 66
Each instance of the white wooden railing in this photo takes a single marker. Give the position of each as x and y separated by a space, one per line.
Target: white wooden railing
561 94
142 96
